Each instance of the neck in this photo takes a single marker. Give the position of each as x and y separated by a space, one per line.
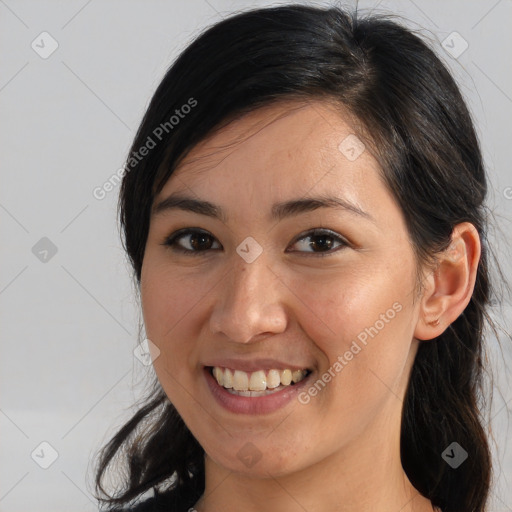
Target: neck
365 476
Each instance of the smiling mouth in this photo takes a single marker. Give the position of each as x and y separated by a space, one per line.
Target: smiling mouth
258 383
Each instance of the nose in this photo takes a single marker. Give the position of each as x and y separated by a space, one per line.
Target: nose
249 303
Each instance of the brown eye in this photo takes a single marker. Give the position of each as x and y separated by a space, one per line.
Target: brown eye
191 241
320 241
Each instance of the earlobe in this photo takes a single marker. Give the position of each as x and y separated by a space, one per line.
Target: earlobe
448 288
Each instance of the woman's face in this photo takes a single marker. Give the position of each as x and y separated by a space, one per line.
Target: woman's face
293 261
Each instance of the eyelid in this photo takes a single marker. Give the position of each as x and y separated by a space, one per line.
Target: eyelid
318 232
321 231
170 241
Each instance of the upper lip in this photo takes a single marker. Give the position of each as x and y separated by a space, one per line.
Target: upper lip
252 365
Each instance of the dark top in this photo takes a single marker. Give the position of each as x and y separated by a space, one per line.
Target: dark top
158 503
161 503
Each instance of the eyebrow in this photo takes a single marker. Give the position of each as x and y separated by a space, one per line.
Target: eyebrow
279 211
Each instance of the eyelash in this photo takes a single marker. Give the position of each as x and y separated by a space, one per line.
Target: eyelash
172 240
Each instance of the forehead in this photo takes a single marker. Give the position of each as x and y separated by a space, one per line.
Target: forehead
280 152
304 137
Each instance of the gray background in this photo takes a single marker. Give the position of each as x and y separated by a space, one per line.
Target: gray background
69 320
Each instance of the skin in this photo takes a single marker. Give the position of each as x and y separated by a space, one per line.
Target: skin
341 450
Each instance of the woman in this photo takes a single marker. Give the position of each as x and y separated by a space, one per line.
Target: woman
303 207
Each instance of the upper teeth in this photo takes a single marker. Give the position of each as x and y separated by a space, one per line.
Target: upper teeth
256 381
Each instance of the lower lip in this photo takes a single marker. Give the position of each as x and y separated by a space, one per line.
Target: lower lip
253 405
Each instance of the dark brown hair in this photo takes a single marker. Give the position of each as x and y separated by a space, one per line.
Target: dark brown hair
417 125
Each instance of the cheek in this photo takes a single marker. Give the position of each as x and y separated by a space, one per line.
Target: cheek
339 305
171 303
361 320
168 298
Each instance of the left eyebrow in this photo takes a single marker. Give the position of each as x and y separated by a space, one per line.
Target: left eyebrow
279 211
308 204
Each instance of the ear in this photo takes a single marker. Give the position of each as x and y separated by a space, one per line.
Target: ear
448 288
